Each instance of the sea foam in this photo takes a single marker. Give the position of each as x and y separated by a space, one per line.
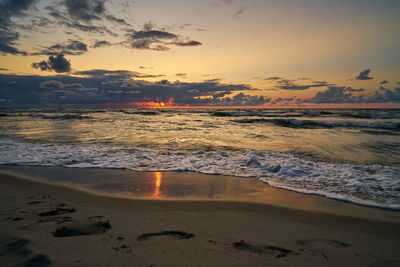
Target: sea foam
373 185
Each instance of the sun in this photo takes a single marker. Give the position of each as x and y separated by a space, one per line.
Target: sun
162 104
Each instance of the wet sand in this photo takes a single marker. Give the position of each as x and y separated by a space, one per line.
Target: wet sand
46 224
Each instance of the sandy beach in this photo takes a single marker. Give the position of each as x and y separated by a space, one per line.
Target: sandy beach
43 224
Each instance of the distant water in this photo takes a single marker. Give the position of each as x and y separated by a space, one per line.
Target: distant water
352 155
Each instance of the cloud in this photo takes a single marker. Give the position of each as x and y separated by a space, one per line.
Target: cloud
183 75
57 63
343 95
96 87
117 20
285 84
188 43
3 69
85 10
63 19
273 78
349 89
9 37
383 82
98 44
114 74
153 34
52 84
71 47
156 39
364 75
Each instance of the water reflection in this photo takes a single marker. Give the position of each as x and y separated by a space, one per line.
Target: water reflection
157 185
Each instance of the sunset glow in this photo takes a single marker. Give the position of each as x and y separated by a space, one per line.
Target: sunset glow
271 54
157 184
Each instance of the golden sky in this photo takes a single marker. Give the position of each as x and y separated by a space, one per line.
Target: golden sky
231 46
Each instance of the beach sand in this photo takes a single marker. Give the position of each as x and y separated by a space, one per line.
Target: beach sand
43 224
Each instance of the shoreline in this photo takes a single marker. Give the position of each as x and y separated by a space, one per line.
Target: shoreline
53 219
193 186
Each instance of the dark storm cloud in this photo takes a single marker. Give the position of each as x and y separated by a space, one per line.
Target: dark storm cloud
383 82
342 95
102 86
364 75
8 36
57 63
98 44
71 47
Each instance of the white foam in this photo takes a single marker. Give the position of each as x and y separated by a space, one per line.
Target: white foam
374 185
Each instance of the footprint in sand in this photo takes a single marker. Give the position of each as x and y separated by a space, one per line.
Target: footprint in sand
57 211
82 228
277 252
176 234
14 251
323 242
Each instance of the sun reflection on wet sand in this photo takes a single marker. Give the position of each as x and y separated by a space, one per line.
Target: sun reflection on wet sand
157 185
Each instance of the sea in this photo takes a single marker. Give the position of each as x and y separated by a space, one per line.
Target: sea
346 154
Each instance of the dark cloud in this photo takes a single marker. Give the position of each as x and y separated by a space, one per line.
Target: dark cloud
63 19
188 43
3 69
114 74
342 95
8 36
273 78
349 89
156 39
57 63
52 84
85 10
98 44
117 20
383 82
364 75
282 100
95 87
183 75
71 47
153 34
286 84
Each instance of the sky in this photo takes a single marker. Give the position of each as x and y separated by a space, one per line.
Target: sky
187 53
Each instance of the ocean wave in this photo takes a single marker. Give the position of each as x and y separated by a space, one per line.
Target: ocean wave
374 185
61 117
294 123
141 112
